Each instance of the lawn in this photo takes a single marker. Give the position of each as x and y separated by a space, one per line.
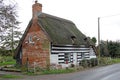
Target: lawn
115 60
108 60
7 60
10 76
58 71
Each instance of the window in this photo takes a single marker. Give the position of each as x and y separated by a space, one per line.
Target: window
67 58
30 39
73 38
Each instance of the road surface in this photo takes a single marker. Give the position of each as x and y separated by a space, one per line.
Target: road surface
111 72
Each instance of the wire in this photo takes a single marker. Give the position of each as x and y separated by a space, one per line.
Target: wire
110 16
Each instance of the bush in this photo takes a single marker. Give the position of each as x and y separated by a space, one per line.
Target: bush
94 62
85 63
4 52
72 65
104 61
89 63
108 60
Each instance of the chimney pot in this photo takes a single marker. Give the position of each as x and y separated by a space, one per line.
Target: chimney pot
36 8
36 1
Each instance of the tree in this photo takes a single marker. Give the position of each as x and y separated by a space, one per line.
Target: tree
94 40
114 48
103 48
9 34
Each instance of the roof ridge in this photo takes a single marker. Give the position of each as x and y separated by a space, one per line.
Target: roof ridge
41 14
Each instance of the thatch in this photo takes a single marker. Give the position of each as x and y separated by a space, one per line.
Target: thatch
60 30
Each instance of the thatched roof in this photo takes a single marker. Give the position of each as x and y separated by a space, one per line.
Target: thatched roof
60 31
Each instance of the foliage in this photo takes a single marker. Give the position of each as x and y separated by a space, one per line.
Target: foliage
93 62
89 63
4 52
110 48
7 15
115 60
6 60
94 40
24 68
104 61
9 34
108 61
104 48
51 71
114 49
85 63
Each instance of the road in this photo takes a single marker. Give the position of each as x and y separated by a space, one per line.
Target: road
111 72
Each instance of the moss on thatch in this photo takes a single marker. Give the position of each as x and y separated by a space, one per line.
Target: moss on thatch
60 30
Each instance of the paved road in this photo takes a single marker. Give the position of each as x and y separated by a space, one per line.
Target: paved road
111 72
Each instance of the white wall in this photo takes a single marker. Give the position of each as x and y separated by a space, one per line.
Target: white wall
76 54
54 59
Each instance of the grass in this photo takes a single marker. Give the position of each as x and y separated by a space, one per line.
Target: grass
58 71
10 61
10 76
103 61
6 60
54 71
7 63
115 60
108 61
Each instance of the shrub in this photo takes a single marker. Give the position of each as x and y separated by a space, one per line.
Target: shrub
103 61
108 60
85 63
89 63
4 52
94 62
72 65
24 68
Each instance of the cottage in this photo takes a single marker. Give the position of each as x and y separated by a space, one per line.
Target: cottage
50 40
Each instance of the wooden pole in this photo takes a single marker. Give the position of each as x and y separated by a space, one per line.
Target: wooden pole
98 38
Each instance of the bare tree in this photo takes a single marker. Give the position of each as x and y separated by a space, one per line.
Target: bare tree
9 34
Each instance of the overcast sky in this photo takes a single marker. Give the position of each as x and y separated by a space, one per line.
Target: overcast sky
84 13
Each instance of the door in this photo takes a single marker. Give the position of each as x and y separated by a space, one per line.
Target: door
74 58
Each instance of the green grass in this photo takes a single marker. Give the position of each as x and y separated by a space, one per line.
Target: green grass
108 60
7 63
54 71
10 76
115 60
58 71
10 61
6 60
104 61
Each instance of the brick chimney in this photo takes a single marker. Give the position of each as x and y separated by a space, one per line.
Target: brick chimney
36 8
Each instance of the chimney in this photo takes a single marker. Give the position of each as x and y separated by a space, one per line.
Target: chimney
36 8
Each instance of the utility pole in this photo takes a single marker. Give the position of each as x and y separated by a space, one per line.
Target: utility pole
99 37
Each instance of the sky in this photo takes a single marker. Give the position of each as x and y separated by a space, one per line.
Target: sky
84 13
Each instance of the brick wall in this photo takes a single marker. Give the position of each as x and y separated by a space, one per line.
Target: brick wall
36 47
